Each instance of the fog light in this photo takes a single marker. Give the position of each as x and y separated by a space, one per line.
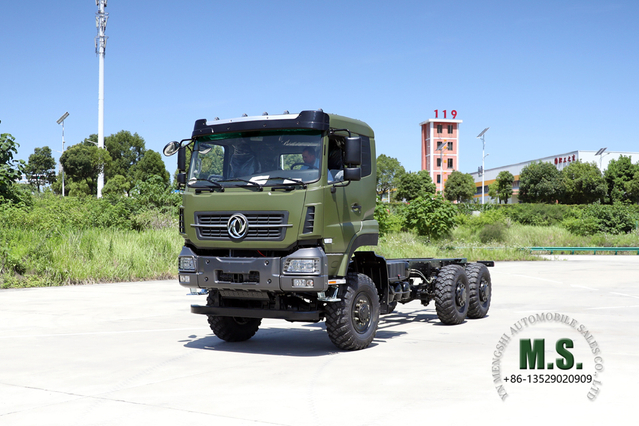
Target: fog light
302 282
185 279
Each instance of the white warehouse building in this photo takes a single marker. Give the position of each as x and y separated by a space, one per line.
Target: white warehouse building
602 158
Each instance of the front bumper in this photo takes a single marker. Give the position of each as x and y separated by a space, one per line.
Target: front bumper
256 274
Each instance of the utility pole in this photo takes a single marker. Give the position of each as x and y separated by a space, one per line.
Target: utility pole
101 18
483 157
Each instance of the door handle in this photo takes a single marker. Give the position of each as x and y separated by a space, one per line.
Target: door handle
356 208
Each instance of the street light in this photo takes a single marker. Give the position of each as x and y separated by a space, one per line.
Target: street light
483 157
600 153
61 121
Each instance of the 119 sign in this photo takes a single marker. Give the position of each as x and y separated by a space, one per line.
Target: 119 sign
453 113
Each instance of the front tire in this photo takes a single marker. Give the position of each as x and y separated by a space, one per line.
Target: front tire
451 295
352 322
232 329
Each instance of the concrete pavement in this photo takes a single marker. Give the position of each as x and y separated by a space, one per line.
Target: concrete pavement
132 353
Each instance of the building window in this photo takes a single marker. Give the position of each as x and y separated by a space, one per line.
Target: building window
440 128
450 163
450 129
439 178
439 145
450 146
439 162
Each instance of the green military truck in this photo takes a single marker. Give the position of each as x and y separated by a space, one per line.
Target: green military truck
274 209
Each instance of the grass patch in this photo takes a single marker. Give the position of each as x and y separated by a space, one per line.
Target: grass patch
87 256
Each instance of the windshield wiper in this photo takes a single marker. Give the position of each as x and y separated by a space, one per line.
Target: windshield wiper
205 185
294 181
250 182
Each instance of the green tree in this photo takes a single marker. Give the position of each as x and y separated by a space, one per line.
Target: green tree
632 187
10 170
539 183
150 164
582 183
40 169
618 174
431 216
459 187
118 185
389 170
504 186
83 163
413 185
126 150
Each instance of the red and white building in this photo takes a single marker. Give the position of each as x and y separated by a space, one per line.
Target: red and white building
440 148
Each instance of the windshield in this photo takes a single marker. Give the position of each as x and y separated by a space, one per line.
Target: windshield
267 158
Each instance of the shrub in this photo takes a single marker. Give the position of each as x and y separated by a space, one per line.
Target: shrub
539 214
493 232
432 217
595 218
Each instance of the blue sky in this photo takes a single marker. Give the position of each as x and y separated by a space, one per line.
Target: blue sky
547 77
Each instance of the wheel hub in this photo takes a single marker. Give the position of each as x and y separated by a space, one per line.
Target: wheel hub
362 313
483 291
460 294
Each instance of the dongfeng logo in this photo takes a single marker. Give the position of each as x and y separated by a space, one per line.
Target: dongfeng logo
237 226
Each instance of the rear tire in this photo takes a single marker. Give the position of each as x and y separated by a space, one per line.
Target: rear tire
480 290
451 295
352 322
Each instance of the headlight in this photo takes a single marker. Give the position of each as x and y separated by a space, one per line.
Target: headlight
187 263
302 266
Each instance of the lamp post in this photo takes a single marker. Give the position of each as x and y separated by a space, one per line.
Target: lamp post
61 121
483 157
600 153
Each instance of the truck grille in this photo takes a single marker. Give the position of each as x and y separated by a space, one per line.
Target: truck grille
262 225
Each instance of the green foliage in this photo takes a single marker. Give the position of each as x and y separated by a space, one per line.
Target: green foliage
10 170
539 183
503 186
432 217
413 185
389 217
495 232
150 164
538 214
582 183
40 169
125 150
389 170
614 219
618 176
155 193
117 186
459 187
83 163
476 222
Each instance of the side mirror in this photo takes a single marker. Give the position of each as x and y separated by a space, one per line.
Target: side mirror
181 159
171 148
353 148
352 173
